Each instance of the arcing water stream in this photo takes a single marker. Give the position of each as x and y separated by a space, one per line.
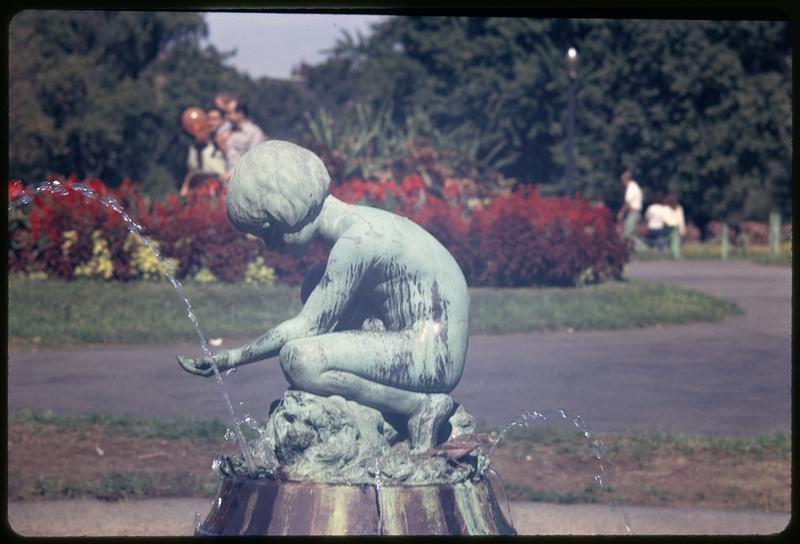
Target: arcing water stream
57 188
526 417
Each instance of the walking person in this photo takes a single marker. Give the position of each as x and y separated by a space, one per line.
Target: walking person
631 212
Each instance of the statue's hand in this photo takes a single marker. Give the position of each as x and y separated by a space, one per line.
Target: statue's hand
202 366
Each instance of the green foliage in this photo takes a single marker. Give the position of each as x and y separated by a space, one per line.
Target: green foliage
59 313
698 108
588 495
87 92
612 305
209 431
86 311
646 445
712 251
457 76
100 94
122 484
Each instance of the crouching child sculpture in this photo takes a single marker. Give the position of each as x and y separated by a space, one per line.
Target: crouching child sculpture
378 346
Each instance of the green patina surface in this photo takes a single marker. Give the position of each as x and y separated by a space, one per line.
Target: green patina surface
384 326
336 441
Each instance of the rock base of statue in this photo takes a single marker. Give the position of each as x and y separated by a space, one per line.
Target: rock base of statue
270 507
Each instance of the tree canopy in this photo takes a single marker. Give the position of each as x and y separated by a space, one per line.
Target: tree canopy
701 109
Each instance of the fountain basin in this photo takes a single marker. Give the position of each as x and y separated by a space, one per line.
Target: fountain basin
271 507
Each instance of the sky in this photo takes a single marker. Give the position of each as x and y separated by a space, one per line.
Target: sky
270 44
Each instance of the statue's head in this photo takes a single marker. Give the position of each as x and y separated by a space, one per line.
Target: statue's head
276 192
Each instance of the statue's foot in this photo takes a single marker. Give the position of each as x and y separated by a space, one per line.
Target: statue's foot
423 425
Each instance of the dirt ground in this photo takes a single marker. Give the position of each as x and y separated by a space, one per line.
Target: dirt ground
665 477
93 463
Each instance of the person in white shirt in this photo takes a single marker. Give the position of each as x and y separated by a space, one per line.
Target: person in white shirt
204 159
673 216
674 224
244 136
654 216
631 212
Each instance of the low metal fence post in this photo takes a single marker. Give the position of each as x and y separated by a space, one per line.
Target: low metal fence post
725 243
774 234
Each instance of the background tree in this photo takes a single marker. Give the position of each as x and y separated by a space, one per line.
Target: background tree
698 108
100 94
86 92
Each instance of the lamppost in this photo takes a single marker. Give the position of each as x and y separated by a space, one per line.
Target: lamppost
572 72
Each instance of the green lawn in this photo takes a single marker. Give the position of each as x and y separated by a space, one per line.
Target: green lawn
52 313
758 254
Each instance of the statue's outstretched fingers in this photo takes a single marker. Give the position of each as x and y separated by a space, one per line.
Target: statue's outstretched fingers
193 366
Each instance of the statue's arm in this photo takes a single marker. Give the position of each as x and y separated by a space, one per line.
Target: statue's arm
321 312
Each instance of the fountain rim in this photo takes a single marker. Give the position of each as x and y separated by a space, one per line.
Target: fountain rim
266 481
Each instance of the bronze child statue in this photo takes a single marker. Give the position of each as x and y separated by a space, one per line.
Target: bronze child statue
386 325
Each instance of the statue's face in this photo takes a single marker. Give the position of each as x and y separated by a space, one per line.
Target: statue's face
297 242
277 236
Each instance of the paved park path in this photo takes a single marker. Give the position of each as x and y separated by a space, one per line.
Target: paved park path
729 378
178 516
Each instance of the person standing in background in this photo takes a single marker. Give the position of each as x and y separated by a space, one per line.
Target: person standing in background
675 224
654 216
631 212
204 159
224 102
244 136
220 128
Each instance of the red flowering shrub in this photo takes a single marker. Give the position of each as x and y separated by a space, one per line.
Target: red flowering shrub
57 234
527 239
518 239
513 240
194 229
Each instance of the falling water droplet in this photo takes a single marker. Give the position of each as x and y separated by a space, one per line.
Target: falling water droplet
378 484
505 496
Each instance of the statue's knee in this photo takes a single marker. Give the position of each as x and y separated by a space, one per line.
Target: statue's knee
298 363
291 359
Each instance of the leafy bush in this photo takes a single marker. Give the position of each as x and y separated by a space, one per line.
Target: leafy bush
528 239
196 231
517 239
60 233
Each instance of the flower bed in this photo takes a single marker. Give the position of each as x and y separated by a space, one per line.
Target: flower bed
515 239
